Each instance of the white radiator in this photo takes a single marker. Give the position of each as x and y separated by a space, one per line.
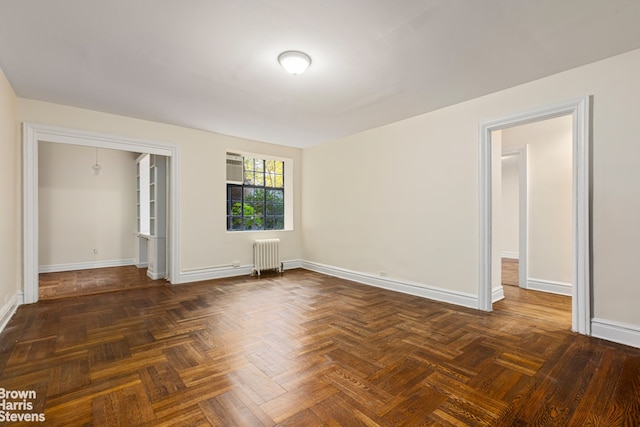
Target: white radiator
266 255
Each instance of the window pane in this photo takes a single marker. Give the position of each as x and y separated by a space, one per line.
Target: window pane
253 223
236 193
236 209
248 194
255 208
258 178
269 165
248 164
258 165
253 194
234 223
279 223
279 181
269 223
279 167
248 178
274 208
275 195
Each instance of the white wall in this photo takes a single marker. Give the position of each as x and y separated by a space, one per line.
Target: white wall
205 244
403 198
10 247
80 211
400 199
549 196
510 210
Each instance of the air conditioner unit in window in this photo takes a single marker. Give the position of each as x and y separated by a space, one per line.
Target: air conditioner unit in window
234 168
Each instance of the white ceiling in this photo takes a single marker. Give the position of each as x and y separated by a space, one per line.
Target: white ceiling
212 64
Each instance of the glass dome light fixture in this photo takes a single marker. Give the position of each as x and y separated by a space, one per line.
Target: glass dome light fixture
294 62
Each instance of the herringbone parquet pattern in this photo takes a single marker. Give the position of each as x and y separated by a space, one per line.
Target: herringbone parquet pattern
67 284
510 271
303 349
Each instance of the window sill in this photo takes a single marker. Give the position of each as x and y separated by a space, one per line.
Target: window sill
258 231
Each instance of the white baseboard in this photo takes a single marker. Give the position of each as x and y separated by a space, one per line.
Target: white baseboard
497 294
510 255
412 288
85 265
619 332
155 275
210 273
7 311
291 264
560 288
407 287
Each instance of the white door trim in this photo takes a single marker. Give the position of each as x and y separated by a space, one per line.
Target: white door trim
523 211
32 134
579 109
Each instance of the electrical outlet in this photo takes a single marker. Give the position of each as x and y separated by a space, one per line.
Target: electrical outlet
383 274
236 263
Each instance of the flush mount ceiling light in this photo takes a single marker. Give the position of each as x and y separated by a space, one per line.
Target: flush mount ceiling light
294 62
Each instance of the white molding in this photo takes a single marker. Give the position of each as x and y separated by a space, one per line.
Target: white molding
550 286
581 292
510 255
610 330
30 214
523 213
9 309
510 151
210 273
33 133
484 219
581 295
54 268
406 287
292 264
497 294
154 275
64 135
523 216
221 272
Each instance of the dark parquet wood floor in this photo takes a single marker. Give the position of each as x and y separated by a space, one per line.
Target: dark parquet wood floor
304 349
510 271
65 284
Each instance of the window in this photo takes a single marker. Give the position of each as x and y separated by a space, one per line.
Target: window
257 203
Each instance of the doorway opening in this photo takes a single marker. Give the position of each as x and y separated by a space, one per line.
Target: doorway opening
532 221
578 110
33 134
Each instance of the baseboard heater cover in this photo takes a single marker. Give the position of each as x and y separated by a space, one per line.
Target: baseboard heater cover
266 256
